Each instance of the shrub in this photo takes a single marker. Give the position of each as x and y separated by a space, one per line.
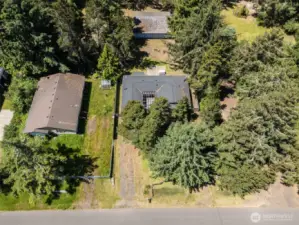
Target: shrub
291 27
241 11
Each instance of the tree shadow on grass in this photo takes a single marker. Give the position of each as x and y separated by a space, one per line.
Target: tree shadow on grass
73 170
137 54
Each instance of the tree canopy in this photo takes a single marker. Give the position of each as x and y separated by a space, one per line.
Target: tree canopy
185 155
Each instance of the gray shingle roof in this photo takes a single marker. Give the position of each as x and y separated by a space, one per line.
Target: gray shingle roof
152 22
56 103
174 88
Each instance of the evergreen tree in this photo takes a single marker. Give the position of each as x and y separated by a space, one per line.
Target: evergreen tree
31 167
108 65
155 125
133 117
246 180
267 49
107 24
73 41
181 112
198 31
185 155
210 109
28 38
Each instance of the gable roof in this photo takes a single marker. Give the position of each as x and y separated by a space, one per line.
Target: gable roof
173 88
151 22
56 103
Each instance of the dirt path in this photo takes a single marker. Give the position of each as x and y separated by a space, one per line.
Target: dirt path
127 160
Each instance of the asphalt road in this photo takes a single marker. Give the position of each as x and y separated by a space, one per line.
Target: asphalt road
154 217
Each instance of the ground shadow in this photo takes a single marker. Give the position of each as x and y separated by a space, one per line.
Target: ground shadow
84 107
225 91
230 3
72 170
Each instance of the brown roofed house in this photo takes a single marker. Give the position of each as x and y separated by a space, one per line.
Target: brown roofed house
56 105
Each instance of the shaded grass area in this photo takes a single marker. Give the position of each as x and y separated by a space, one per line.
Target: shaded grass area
12 203
7 104
247 28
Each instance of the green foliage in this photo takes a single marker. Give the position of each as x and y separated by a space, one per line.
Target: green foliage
107 24
277 12
246 179
198 31
28 38
135 4
181 112
265 50
183 9
31 167
185 155
133 116
108 65
155 125
35 169
69 24
291 27
210 109
241 11
21 92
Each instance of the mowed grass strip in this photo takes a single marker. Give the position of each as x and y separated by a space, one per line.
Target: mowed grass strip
97 142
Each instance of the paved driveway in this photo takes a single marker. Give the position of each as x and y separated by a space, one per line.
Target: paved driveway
5 118
154 217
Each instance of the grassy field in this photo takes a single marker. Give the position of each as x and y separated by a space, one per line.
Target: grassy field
247 28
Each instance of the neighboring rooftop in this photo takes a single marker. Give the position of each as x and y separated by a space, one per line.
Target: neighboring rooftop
151 22
146 88
56 103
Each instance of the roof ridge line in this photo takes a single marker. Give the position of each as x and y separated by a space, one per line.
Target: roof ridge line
54 96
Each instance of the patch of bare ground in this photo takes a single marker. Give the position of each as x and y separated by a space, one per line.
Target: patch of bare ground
277 196
157 49
128 167
228 104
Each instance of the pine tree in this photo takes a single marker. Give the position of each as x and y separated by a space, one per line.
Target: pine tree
155 125
185 155
210 109
108 65
28 38
133 117
181 112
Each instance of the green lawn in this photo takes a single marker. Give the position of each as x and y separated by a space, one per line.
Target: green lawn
247 28
98 132
6 104
12 203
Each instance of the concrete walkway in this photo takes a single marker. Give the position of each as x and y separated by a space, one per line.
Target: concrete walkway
5 118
